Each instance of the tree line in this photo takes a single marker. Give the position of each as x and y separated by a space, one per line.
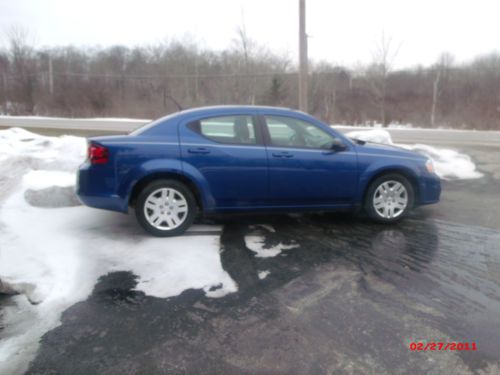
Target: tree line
151 81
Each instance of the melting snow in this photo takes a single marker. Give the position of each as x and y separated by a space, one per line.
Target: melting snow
449 164
263 274
373 135
54 256
256 241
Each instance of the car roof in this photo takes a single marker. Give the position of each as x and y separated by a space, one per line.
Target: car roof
223 108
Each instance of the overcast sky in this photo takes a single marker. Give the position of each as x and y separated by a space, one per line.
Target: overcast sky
341 31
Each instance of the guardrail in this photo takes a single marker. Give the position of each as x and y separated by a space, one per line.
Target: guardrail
98 124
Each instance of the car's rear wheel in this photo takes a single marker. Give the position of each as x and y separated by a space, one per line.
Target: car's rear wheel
389 198
165 208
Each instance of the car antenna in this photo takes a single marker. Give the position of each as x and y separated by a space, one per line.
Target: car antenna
179 107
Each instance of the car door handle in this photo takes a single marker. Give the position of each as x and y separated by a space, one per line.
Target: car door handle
199 150
283 154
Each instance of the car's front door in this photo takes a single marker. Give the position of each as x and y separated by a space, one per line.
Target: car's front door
307 165
229 154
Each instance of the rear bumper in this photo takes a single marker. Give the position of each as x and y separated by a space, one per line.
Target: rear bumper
429 189
96 189
112 203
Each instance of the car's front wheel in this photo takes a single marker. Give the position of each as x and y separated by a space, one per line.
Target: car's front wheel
165 208
389 198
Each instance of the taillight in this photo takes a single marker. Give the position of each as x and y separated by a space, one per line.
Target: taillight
98 154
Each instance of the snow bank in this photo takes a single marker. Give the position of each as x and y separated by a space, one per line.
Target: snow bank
54 256
374 135
449 164
38 180
39 152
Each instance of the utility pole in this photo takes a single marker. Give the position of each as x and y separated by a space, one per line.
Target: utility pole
302 57
196 73
51 77
5 88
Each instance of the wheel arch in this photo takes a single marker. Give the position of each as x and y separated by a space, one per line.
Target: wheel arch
405 172
159 175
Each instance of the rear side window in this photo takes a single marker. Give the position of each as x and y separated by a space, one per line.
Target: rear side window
226 129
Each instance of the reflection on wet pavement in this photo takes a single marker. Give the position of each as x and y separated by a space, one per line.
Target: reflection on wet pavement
350 298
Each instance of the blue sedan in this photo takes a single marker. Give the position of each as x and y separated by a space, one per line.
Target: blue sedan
246 159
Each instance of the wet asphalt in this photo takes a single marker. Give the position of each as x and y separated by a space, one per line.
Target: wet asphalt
349 300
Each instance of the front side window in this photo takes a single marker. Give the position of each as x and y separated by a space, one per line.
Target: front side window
226 129
291 132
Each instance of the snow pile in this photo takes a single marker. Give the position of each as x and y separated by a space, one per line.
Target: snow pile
76 245
394 125
256 241
55 256
40 152
45 179
374 135
449 164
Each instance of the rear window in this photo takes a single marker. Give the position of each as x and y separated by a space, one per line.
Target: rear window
154 127
226 129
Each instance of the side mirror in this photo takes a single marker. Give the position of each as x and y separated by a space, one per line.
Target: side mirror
338 146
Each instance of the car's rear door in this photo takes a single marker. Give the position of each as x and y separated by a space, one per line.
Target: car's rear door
303 167
228 152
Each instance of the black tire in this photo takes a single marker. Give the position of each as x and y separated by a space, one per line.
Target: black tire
372 188
190 215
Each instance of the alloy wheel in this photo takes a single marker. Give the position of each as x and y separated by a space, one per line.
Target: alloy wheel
390 199
165 209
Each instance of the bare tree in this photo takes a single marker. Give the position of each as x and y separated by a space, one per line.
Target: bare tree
246 47
383 58
4 69
23 67
442 68
141 82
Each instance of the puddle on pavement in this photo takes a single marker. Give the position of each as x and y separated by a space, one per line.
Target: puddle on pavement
450 271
